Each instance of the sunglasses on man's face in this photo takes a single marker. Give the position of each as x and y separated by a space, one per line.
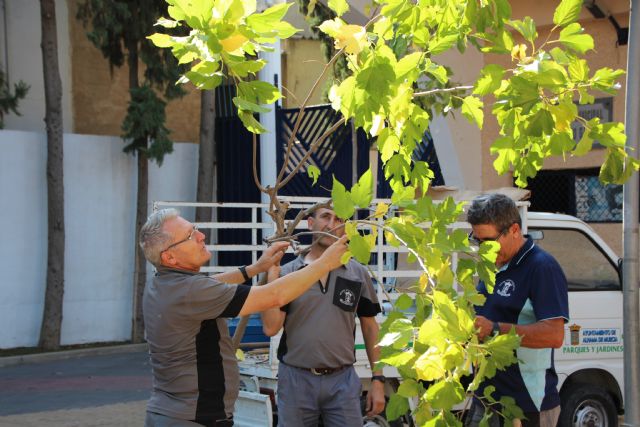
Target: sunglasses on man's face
189 237
477 241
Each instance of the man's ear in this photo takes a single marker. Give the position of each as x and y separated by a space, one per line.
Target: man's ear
516 228
310 222
166 258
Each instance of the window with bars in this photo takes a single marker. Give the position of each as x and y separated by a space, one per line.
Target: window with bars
576 192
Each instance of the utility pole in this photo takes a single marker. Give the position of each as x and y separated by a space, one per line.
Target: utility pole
631 305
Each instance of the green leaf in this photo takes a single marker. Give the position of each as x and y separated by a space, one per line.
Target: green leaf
488 253
541 123
404 302
605 79
445 394
526 27
243 104
161 40
396 407
388 144
567 12
584 146
167 23
442 43
409 388
340 7
360 249
578 70
429 366
572 37
561 143
399 358
362 192
313 172
250 122
502 348
490 80
472 110
342 204
265 21
258 92
408 68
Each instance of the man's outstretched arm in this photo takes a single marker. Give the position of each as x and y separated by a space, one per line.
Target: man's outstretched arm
287 288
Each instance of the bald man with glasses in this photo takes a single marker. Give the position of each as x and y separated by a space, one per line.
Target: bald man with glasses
195 372
530 295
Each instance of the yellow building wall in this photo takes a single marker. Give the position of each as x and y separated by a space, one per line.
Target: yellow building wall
100 96
302 65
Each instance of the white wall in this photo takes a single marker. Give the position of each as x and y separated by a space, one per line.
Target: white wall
21 58
100 182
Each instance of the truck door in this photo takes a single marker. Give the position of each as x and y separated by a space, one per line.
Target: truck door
589 364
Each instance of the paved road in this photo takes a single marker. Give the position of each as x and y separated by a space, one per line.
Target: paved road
89 390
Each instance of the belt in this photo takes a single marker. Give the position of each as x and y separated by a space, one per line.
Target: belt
324 371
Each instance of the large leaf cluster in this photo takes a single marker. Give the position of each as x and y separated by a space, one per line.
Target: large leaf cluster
394 87
223 41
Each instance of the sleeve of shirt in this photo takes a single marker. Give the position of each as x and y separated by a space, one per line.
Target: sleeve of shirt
286 269
210 299
368 305
549 293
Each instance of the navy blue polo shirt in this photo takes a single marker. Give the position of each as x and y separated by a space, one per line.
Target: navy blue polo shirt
531 288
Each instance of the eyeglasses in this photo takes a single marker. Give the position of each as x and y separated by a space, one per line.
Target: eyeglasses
189 237
476 241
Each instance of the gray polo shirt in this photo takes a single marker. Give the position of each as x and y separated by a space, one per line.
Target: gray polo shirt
195 372
319 329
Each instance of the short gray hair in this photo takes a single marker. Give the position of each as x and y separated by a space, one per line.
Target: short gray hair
153 239
496 209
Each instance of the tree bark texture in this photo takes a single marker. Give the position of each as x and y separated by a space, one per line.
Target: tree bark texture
52 316
207 164
141 264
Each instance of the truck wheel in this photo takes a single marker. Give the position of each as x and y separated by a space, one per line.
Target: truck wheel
586 405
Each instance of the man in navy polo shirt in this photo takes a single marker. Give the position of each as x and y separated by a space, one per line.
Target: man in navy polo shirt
531 295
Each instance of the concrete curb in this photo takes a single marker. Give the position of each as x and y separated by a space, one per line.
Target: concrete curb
68 354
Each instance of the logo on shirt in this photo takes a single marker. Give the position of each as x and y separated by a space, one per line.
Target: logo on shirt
347 297
505 289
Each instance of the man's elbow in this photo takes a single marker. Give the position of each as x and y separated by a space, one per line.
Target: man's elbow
269 330
557 339
557 342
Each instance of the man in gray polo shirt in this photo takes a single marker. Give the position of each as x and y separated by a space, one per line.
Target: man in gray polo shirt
195 373
316 377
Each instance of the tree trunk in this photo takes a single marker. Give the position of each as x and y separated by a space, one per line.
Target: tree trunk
52 316
140 272
207 165
141 265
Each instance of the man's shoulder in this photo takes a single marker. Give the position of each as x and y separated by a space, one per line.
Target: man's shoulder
541 257
356 267
291 266
168 278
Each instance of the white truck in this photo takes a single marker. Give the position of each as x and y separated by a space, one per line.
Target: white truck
589 364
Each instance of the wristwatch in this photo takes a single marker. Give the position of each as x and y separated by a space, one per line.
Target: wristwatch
380 378
243 270
496 329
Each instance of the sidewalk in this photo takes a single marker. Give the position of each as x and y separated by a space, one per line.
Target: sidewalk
105 386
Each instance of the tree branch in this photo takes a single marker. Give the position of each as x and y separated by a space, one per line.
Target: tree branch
442 90
312 148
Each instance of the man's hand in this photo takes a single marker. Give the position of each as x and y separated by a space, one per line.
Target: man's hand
484 325
331 257
375 399
269 257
